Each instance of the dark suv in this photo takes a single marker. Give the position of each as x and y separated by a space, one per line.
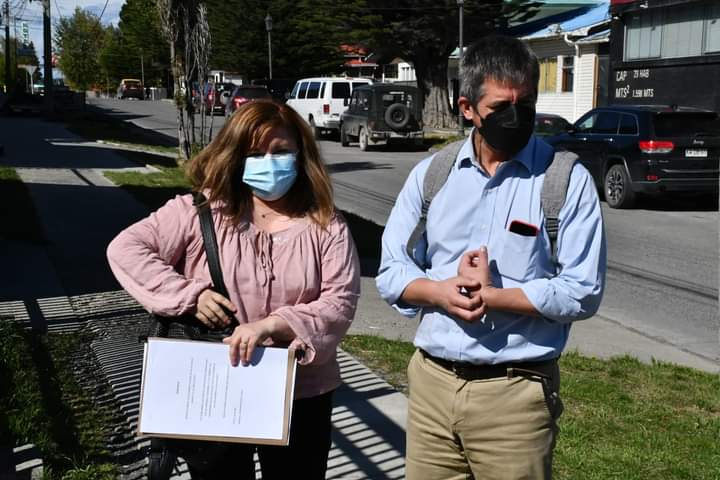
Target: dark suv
633 150
380 112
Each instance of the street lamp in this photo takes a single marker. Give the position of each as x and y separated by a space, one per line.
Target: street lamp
460 3
268 27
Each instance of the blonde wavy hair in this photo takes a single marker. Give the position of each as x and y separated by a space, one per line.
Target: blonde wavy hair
221 164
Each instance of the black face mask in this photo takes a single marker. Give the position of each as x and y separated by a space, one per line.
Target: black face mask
508 130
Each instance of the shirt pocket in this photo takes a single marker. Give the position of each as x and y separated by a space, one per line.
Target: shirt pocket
518 260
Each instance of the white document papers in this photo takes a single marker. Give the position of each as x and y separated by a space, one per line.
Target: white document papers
190 390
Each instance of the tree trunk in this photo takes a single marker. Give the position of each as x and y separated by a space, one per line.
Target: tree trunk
183 150
433 83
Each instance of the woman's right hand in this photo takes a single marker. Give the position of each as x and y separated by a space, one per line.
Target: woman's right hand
210 309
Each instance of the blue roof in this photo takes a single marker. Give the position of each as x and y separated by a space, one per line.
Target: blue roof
578 25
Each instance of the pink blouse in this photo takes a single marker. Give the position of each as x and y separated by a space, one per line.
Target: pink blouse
305 274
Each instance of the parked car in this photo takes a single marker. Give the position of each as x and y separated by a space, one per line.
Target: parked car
130 88
549 124
320 101
244 94
381 112
632 150
217 96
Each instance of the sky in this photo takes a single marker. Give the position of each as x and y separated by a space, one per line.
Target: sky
31 13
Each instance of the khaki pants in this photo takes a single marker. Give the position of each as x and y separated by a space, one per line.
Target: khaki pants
495 429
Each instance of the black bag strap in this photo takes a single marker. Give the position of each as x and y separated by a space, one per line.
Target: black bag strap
210 243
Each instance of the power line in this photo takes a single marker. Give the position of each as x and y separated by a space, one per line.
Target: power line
103 10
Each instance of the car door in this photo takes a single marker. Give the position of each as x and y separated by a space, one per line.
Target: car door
349 117
584 141
604 143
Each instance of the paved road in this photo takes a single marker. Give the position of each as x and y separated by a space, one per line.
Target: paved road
663 256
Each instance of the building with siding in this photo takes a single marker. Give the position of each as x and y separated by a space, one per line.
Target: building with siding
573 52
665 52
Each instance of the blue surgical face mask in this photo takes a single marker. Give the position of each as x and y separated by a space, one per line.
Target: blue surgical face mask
270 176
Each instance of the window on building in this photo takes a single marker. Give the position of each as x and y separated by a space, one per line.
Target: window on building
568 73
643 36
391 71
687 31
548 75
712 30
682 33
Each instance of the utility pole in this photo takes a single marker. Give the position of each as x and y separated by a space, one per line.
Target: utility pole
47 57
6 19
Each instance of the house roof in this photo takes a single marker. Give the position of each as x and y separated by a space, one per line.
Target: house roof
579 24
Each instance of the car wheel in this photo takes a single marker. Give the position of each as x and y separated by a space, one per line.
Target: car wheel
317 133
363 140
343 136
617 188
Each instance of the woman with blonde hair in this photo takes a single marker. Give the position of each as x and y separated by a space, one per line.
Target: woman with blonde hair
288 262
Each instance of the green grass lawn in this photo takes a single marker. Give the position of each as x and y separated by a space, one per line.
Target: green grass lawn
623 419
41 402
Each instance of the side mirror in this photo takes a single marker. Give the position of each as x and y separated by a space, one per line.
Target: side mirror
287 95
346 101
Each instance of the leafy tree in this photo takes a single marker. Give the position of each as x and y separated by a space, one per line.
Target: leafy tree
425 32
142 39
79 41
116 59
306 35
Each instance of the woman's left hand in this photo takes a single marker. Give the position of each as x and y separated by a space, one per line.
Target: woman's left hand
246 337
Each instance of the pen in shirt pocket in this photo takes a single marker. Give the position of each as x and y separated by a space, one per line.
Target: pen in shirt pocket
523 228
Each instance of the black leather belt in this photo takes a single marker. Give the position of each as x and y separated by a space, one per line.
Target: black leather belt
472 371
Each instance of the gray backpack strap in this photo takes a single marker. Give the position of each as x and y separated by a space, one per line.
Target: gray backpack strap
554 191
435 177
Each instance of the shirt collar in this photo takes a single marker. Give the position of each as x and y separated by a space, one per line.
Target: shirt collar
466 155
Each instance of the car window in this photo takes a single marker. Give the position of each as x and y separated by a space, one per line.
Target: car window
546 126
303 90
294 92
585 125
363 100
358 84
340 90
607 123
322 90
313 90
683 124
628 125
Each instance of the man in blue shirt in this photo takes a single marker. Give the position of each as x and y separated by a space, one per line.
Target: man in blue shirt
495 309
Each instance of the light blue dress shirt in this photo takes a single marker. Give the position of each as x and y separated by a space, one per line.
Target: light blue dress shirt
472 210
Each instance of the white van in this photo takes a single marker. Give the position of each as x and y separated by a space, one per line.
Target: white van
321 101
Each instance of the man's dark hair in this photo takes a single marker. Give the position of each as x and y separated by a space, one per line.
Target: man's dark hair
504 59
